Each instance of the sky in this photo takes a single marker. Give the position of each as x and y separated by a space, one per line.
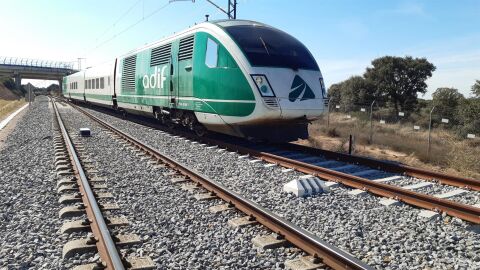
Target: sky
344 36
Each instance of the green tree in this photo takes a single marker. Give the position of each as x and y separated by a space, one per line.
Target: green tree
355 90
334 94
476 89
469 115
446 102
399 80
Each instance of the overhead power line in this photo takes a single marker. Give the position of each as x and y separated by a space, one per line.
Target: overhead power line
130 27
118 20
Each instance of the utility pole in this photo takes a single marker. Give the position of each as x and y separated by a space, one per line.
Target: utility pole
231 10
29 94
371 122
328 114
80 63
430 133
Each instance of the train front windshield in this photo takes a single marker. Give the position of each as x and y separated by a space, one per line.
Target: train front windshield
268 47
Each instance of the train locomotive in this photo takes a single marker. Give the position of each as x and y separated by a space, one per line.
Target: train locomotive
236 77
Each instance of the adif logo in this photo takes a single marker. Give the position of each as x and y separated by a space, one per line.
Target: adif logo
300 88
155 80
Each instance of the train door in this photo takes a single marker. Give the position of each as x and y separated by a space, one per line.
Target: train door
173 87
185 71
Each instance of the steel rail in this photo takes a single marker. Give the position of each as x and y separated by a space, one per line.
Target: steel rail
105 244
304 240
441 178
462 211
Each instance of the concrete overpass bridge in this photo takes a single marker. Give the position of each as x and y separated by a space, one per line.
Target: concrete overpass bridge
22 68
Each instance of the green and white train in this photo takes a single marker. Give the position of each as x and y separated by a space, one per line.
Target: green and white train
236 77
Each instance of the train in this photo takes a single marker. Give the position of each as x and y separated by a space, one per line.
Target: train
237 77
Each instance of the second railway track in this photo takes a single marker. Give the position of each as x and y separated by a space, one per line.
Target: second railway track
384 185
204 157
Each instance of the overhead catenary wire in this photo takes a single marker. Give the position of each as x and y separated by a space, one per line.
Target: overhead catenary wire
119 19
129 27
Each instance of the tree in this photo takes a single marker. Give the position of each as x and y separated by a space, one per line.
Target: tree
469 115
399 80
334 94
355 90
446 102
476 89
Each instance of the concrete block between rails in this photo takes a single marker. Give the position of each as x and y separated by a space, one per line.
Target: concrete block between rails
269 241
241 221
304 263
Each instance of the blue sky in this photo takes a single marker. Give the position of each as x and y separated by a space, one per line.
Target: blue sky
343 35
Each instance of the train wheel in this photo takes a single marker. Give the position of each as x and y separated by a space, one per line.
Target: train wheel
200 130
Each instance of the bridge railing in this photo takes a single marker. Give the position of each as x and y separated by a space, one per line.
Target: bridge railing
14 61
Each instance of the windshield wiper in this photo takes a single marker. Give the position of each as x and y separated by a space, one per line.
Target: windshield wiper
264 45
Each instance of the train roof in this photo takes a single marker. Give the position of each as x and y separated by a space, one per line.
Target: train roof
218 23
227 23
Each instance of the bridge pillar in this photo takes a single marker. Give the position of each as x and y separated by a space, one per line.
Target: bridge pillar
18 81
61 86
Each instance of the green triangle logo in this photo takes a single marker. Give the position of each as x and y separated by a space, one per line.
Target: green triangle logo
300 88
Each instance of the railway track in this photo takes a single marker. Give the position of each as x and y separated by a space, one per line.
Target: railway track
318 249
70 167
279 154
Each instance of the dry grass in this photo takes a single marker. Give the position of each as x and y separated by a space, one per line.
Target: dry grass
9 106
400 143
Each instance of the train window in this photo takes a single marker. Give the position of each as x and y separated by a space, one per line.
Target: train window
102 83
85 84
269 47
211 55
97 83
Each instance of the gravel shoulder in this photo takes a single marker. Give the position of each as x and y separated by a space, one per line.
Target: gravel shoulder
29 220
385 237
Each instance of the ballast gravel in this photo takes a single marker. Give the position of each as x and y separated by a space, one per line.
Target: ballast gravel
384 237
177 231
29 222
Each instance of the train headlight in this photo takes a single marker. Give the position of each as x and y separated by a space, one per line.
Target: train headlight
263 85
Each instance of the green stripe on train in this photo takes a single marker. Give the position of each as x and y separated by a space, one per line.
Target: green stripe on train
226 107
192 79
